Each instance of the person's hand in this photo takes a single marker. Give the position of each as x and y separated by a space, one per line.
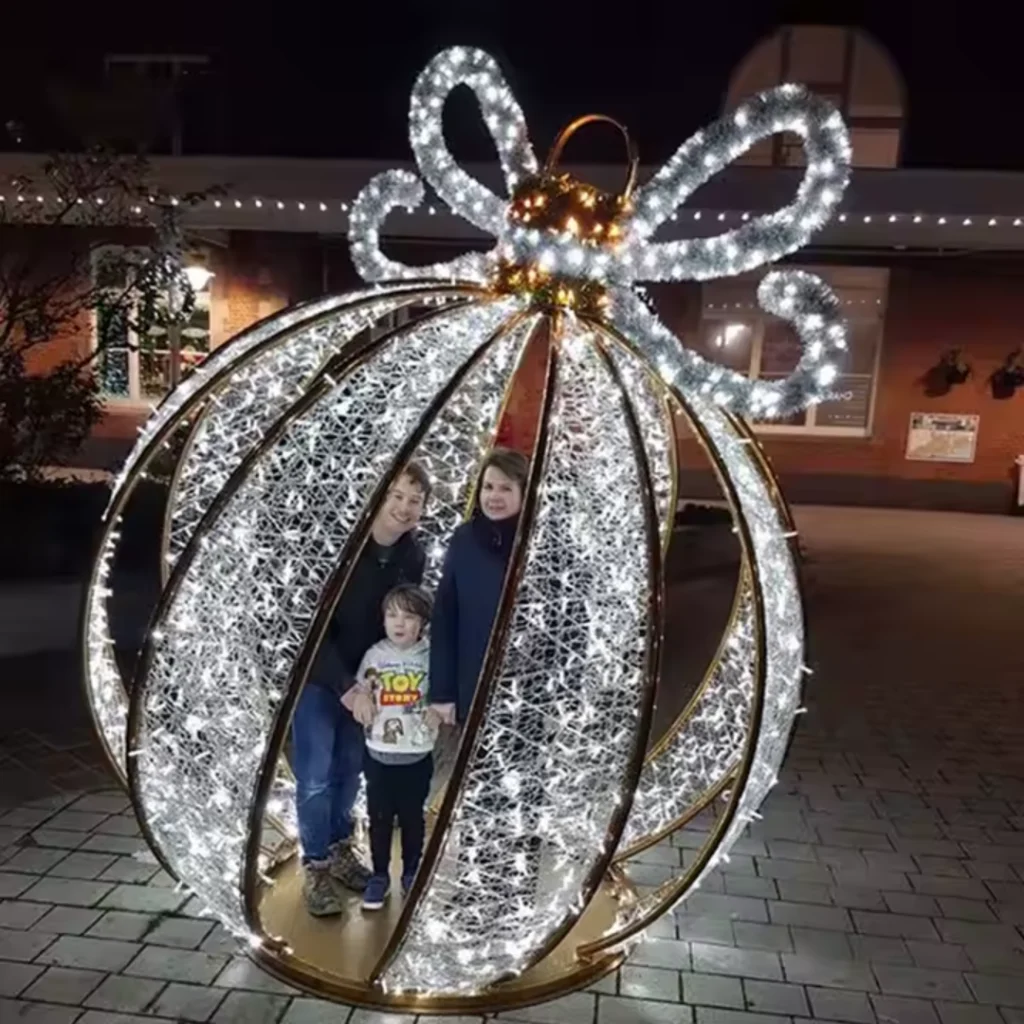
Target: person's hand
433 719
441 713
362 709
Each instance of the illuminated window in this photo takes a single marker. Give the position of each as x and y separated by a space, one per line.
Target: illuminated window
737 334
130 366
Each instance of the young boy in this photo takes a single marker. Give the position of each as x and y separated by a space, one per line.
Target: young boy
390 701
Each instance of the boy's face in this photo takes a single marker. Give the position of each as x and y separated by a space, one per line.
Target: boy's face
402 627
500 495
402 508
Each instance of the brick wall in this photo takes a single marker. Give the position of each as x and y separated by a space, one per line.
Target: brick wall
978 307
256 275
934 304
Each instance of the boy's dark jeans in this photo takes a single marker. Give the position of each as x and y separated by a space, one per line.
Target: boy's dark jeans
397 791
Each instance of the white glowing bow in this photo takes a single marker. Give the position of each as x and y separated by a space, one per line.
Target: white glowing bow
802 299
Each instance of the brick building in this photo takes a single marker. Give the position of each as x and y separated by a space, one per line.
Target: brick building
925 261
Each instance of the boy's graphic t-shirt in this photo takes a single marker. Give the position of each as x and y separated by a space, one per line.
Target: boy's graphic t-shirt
399 683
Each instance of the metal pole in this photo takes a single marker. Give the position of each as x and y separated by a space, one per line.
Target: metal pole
176 140
173 336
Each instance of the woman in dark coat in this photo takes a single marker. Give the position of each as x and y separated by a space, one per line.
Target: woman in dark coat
471 583
460 630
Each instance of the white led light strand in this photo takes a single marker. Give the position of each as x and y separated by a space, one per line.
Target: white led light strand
504 120
704 746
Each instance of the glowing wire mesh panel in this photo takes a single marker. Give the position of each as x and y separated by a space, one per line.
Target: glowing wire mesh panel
227 640
650 404
105 689
551 764
246 404
783 616
771 564
705 744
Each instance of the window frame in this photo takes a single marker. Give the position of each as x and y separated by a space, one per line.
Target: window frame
135 399
755 318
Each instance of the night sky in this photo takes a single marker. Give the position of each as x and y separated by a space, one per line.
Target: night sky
333 80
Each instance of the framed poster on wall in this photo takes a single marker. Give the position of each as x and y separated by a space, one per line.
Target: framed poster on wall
942 437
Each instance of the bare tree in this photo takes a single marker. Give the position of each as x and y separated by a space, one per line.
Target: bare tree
59 276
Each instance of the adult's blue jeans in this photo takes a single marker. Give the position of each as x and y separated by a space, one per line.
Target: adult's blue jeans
327 758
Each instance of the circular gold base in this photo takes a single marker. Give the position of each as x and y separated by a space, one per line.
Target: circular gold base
333 957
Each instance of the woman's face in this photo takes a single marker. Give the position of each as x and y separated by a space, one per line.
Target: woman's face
500 495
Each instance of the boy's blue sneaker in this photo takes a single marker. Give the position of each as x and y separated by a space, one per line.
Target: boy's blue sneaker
408 878
376 892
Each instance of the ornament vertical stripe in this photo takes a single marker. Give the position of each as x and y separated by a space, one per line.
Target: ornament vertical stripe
569 709
105 692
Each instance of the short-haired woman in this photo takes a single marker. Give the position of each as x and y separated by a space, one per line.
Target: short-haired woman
472 579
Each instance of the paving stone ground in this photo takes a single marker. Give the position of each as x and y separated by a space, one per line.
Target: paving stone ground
885 882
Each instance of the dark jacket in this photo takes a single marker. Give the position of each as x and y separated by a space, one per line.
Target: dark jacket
464 608
358 620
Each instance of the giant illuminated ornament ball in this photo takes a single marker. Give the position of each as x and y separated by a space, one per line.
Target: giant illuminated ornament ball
295 431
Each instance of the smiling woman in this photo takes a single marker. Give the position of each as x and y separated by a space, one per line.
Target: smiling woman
472 581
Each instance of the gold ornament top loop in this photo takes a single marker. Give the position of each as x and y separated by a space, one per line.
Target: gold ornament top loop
570 129
555 204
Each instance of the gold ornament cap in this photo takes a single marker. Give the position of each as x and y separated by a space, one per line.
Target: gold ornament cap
554 202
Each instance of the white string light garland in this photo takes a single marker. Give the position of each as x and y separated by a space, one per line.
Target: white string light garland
332 206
